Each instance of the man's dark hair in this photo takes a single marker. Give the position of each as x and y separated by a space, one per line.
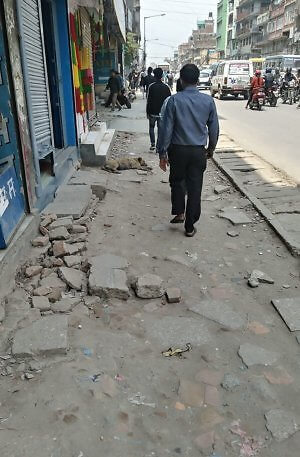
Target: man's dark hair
190 73
113 71
158 73
150 70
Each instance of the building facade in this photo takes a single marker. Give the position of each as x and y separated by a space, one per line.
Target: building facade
222 21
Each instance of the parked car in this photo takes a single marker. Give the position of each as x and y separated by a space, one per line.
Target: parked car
232 77
204 80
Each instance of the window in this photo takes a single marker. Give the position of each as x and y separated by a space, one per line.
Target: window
238 68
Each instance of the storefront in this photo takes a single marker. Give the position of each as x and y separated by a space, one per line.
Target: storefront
80 21
47 72
12 189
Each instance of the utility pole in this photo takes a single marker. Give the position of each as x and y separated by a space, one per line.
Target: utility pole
145 40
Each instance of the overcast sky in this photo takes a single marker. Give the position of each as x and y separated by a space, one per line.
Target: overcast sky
169 31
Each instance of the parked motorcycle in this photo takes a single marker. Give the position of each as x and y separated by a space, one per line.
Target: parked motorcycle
258 99
272 95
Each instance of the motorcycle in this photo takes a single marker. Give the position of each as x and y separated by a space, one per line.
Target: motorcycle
289 92
258 99
272 95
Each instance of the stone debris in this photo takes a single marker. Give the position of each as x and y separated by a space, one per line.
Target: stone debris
78 238
230 382
282 424
255 355
78 229
42 291
221 313
72 277
233 233
33 271
72 260
61 248
108 282
47 219
173 294
149 286
52 262
54 282
289 310
65 305
257 277
44 337
66 222
235 216
59 233
108 261
41 303
40 241
220 189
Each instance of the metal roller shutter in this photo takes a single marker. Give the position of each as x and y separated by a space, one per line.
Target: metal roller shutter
34 69
87 42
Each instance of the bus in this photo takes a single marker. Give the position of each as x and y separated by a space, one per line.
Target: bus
283 62
258 63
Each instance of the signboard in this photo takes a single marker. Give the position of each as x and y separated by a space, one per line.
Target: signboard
11 204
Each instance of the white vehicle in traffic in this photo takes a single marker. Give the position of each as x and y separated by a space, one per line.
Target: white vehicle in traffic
232 77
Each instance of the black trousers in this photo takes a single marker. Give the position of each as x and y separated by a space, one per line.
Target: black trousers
187 165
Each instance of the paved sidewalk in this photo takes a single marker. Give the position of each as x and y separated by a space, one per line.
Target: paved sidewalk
274 195
103 386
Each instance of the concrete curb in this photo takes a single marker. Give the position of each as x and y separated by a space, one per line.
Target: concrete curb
292 245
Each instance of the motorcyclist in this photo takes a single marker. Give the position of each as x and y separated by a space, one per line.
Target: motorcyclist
269 79
256 83
288 77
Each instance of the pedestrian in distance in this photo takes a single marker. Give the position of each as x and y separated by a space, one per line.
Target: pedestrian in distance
170 80
114 85
188 135
157 93
148 79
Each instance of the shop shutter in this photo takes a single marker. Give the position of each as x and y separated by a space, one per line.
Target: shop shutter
87 42
35 76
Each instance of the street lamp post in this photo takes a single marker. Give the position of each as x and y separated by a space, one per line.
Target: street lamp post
148 17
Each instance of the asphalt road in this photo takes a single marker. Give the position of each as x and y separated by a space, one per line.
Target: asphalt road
273 134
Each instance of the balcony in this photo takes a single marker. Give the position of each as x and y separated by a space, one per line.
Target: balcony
263 18
241 15
243 32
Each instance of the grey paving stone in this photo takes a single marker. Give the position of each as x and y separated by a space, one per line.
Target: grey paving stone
149 286
256 355
41 303
72 277
170 331
65 305
72 260
221 313
220 189
48 335
289 310
70 201
108 282
59 233
235 216
108 261
66 222
282 424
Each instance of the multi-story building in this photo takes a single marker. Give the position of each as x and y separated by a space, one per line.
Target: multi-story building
201 44
231 28
248 34
222 20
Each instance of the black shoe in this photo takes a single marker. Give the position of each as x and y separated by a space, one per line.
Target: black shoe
191 234
152 147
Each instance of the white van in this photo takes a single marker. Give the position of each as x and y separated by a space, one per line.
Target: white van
232 77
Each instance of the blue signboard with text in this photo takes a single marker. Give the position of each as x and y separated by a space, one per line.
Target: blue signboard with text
11 195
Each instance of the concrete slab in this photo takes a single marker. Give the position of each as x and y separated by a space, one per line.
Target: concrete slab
172 331
70 201
109 261
108 283
48 335
289 310
256 355
235 216
95 179
221 313
282 424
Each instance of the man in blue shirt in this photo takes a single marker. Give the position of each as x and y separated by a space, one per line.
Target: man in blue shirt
188 135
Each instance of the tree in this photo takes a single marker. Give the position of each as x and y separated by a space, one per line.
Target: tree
131 48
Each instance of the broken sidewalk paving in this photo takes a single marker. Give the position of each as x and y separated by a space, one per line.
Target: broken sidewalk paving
275 196
97 359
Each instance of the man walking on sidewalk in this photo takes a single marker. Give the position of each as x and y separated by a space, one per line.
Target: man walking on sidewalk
114 85
157 93
188 135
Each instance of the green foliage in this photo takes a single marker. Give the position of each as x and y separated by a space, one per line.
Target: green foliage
131 48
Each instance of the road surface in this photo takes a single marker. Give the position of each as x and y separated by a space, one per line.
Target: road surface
273 134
